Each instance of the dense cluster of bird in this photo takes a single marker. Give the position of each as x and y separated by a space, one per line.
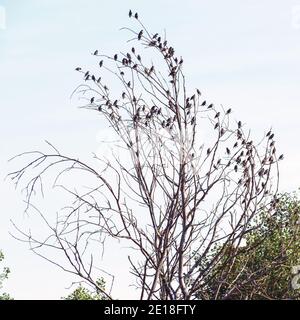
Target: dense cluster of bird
241 153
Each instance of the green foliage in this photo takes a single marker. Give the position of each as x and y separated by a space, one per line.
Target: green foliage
4 275
261 269
82 293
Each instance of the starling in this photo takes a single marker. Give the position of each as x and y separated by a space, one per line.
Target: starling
198 92
140 35
217 115
123 95
128 56
204 103
93 78
128 84
156 34
96 52
193 121
239 124
208 151
130 13
78 69
268 133
235 145
99 79
228 111
210 106
115 57
271 136
281 157
101 63
133 50
139 57
136 15
216 125
86 74
99 108
92 100
228 151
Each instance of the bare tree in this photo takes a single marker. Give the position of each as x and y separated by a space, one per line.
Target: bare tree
189 179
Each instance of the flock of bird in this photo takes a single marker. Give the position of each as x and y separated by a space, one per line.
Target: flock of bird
143 114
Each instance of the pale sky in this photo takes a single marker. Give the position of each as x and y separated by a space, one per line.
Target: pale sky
242 54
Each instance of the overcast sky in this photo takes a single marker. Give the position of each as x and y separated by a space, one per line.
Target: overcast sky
242 54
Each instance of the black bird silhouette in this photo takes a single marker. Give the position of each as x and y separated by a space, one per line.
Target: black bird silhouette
96 52
136 15
217 115
128 56
239 124
93 78
193 121
198 92
99 108
99 79
92 100
140 35
204 103
156 34
216 125
139 57
281 157
210 106
128 84
268 133
123 95
228 111
130 13
101 63
208 151
86 74
271 136
235 145
133 50
115 57
228 151
78 69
